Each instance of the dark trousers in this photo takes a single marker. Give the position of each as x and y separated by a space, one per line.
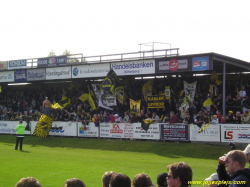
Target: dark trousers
19 140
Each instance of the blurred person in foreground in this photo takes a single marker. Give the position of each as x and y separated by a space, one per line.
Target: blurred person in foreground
28 182
213 177
235 162
74 182
142 180
179 175
106 178
162 180
119 180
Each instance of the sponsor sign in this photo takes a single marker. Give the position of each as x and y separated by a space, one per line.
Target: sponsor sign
156 101
58 73
175 131
134 67
200 63
210 134
173 65
116 130
36 74
152 133
20 75
52 61
17 64
89 130
7 76
3 65
8 127
235 133
90 70
63 129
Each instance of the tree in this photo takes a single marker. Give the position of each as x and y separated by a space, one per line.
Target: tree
66 52
52 53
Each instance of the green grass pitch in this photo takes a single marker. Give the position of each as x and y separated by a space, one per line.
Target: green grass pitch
52 160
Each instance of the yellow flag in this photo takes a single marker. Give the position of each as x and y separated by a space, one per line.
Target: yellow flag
208 102
91 102
43 126
0 89
66 104
57 106
84 97
147 89
64 97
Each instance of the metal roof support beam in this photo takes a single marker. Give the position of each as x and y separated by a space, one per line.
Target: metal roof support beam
224 89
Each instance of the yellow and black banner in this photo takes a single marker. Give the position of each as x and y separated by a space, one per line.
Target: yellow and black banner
147 89
91 102
43 126
84 97
167 92
135 105
156 101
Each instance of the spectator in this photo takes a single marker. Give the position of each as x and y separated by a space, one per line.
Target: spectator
213 177
156 118
117 118
245 118
215 120
242 92
173 118
179 174
162 180
126 118
235 162
230 117
106 178
131 117
74 182
120 180
237 118
28 182
142 180
188 119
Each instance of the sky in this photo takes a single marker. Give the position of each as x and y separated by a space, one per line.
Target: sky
33 28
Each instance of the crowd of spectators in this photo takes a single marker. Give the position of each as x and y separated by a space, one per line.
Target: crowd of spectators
27 102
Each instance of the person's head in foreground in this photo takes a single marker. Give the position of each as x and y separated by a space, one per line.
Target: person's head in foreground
235 160
162 180
28 182
106 178
142 180
247 152
213 177
74 182
120 180
179 174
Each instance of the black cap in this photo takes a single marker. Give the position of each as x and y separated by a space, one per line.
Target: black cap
161 179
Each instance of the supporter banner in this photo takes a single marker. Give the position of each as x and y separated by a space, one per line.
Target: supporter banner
156 101
152 133
135 105
89 130
59 128
58 73
17 64
3 65
7 76
52 61
200 63
173 65
111 101
167 92
189 89
8 127
134 67
35 74
174 132
210 134
20 75
90 70
117 130
235 133
43 126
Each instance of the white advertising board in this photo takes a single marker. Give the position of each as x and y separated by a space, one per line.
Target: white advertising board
235 133
134 67
89 130
210 134
116 130
7 76
152 133
58 73
8 127
90 70
63 129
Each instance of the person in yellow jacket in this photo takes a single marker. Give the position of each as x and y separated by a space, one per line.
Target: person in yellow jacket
20 129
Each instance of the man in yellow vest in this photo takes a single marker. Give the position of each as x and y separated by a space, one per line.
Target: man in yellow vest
20 129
